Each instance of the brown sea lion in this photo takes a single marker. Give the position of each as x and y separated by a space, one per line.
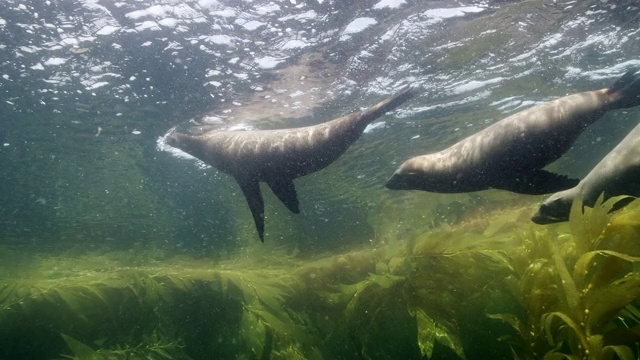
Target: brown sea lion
512 153
279 156
618 173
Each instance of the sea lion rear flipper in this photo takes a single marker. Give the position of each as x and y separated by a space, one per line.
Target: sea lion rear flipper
285 190
538 182
251 190
626 91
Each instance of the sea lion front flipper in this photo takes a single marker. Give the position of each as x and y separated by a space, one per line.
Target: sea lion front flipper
537 182
623 201
285 190
251 190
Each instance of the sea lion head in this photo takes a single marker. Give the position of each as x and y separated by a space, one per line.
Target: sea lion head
191 144
180 141
427 173
407 177
404 180
555 209
174 138
414 175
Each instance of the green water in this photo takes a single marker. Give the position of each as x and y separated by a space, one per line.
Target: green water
113 249
492 285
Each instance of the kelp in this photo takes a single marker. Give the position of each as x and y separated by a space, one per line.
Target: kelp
335 305
154 348
152 299
557 292
577 286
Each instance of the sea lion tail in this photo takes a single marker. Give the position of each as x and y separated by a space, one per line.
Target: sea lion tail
388 104
625 92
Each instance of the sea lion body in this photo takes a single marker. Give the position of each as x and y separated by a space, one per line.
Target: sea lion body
287 152
279 156
511 153
618 173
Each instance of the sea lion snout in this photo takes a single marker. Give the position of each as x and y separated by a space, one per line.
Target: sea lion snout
541 218
185 143
410 176
400 181
553 210
174 138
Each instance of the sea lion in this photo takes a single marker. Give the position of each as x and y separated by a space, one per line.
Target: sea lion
618 173
511 153
279 156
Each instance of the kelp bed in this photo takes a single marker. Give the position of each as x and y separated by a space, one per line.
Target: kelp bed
496 287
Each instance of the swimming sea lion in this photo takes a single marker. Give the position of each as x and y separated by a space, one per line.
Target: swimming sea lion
618 173
279 156
511 153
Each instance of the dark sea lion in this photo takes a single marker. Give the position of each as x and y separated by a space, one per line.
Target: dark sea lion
279 156
618 173
511 153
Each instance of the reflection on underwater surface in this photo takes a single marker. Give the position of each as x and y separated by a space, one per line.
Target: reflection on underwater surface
113 249
494 285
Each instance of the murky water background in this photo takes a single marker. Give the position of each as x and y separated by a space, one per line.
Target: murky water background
88 88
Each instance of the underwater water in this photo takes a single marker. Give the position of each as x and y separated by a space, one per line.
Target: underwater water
115 246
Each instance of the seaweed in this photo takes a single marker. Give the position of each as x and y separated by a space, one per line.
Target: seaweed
566 291
155 348
578 286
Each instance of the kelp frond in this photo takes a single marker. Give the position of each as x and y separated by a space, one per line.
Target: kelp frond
579 286
154 349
